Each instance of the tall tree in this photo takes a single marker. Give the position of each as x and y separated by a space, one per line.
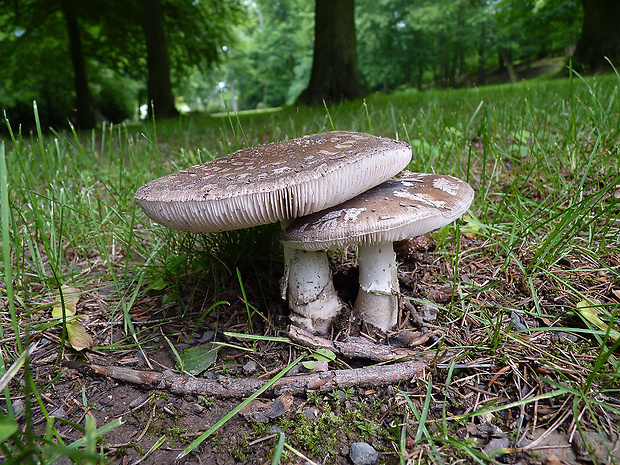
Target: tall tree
334 75
85 106
600 35
159 85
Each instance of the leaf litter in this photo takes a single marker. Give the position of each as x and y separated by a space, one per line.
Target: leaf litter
520 353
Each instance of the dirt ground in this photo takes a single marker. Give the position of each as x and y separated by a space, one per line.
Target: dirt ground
481 370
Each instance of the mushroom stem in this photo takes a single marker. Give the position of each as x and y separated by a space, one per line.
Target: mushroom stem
312 298
377 300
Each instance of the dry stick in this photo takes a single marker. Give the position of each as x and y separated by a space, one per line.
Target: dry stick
368 351
223 386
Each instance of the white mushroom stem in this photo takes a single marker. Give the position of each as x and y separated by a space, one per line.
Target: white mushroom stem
312 298
377 300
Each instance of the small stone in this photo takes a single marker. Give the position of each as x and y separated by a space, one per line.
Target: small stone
561 336
496 444
106 290
489 430
599 449
141 359
428 312
312 413
18 408
295 370
250 367
137 401
274 429
321 365
517 322
58 413
362 453
198 409
207 336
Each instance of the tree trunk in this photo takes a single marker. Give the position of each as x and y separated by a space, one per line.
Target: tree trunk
85 107
506 57
159 87
334 75
600 35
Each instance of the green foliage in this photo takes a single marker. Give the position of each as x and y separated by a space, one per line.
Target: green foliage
272 64
36 62
259 54
401 43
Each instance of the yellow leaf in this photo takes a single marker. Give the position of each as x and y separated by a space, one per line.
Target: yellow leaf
589 310
470 228
71 296
78 337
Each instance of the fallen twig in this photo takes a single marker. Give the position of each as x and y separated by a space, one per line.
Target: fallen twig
223 386
368 351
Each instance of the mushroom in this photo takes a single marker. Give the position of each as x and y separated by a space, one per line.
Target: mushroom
277 183
409 206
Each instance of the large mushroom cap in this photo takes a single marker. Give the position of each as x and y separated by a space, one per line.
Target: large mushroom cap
411 205
274 182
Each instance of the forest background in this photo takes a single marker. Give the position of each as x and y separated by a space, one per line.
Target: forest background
101 60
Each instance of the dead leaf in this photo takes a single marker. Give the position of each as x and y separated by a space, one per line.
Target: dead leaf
552 459
77 334
262 412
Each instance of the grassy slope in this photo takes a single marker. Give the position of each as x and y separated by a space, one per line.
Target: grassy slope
541 155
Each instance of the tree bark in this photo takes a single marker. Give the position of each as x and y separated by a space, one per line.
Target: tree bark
335 74
600 36
85 107
159 86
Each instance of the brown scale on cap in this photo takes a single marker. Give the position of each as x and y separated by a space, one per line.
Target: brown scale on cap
409 206
274 182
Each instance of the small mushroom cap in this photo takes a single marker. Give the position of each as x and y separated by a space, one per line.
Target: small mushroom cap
409 206
274 182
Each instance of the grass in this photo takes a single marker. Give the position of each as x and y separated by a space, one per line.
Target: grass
542 156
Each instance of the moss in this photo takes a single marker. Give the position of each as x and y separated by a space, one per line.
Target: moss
207 402
317 436
121 450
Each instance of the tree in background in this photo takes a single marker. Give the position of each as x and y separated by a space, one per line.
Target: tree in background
159 86
393 46
41 42
43 54
600 35
335 74
526 30
269 56
85 105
